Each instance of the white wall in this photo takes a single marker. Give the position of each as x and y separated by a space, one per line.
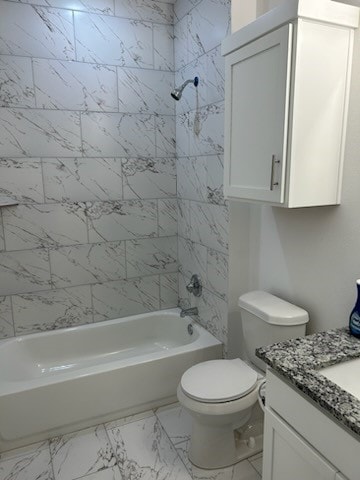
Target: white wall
244 12
309 256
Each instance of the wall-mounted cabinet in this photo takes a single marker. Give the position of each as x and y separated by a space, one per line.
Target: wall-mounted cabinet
287 91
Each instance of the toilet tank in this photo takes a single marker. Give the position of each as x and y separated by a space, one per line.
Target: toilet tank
268 319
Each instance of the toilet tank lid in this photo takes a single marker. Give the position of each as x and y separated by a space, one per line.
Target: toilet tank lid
273 309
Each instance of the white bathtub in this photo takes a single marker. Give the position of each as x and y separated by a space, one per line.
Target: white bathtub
56 382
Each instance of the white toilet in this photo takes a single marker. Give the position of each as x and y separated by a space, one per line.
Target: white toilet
220 395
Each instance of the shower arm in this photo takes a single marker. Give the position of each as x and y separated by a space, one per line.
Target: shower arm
195 81
177 92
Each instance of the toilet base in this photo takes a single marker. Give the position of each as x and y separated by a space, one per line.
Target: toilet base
233 447
224 433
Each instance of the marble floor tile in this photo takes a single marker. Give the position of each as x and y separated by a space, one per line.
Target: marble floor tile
35 465
82 453
26 451
145 446
241 471
256 462
176 423
108 474
144 452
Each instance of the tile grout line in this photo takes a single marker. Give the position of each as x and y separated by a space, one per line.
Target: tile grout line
92 304
89 12
85 112
52 284
153 46
51 461
33 80
74 33
173 445
43 181
63 202
90 323
68 287
112 447
74 245
160 290
89 158
83 62
126 260
12 314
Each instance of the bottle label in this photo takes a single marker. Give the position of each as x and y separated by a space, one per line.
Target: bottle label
355 323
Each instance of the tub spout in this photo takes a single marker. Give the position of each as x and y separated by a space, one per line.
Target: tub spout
189 311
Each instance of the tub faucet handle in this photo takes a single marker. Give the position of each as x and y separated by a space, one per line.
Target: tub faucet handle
195 286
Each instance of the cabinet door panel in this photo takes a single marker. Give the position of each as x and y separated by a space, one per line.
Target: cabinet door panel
289 456
258 77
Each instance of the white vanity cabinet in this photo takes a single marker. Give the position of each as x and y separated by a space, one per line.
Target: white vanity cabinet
287 78
301 442
291 456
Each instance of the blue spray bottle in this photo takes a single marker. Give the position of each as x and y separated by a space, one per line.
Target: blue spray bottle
354 321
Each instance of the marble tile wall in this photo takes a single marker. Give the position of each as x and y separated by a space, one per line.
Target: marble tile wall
87 148
200 26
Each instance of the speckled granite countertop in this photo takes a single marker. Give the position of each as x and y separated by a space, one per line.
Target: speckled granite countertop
299 362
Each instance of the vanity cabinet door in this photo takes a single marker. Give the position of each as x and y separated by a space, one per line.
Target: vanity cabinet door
288 456
257 102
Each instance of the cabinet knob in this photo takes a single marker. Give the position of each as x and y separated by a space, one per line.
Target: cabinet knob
272 183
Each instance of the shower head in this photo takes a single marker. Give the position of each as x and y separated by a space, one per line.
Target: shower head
177 92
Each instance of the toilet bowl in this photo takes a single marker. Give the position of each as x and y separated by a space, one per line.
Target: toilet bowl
222 396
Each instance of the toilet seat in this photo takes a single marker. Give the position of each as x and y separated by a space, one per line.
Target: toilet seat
218 381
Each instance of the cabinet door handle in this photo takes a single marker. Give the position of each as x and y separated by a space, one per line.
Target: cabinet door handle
272 183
